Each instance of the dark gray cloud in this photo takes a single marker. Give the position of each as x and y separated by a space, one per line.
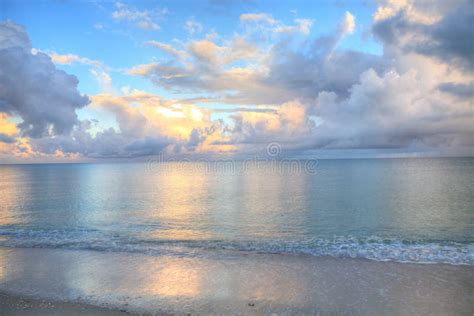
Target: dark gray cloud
451 39
458 89
104 145
146 146
323 70
390 30
7 139
32 88
453 36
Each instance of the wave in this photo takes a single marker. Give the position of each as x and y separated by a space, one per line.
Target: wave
373 247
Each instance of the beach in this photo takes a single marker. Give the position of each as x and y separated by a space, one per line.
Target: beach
236 283
20 305
359 237
222 157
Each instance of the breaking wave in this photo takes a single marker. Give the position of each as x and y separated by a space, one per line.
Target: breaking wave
373 247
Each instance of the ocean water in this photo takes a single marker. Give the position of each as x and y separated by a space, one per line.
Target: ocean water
401 210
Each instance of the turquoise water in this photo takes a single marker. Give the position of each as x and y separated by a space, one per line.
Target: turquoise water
405 210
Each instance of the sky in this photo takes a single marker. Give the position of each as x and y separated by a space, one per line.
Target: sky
128 80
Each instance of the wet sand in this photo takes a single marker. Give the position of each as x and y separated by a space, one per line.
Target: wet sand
24 306
228 283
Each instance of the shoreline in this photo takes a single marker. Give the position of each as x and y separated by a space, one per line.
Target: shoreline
64 282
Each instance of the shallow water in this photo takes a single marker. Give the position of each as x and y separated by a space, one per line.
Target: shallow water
406 210
247 284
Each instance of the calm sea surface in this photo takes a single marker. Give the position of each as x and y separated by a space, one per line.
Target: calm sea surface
405 210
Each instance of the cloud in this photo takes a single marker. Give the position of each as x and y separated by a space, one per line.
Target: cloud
304 25
193 27
348 23
97 69
264 75
99 26
200 65
146 146
103 79
391 111
258 17
152 115
147 125
450 37
332 98
143 19
443 31
178 54
6 138
106 144
7 127
13 35
290 122
268 82
68 59
384 112
265 22
458 89
31 87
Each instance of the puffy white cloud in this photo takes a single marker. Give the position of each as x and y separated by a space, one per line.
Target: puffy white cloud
13 35
31 87
392 111
279 85
289 123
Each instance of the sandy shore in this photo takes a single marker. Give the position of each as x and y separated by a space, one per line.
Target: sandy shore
17 305
226 284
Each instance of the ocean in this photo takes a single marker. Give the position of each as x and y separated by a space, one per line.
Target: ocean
406 210
412 212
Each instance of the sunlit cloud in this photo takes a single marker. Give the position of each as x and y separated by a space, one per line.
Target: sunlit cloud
67 59
269 79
